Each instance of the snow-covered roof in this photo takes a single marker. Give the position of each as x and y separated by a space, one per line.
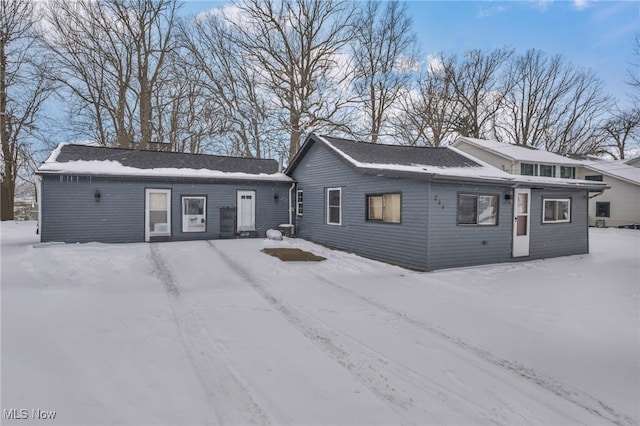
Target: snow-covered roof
616 169
518 152
444 163
80 159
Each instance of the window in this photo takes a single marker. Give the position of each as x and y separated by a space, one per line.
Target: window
595 178
477 209
334 206
567 172
194 214
548 171
384 207
603 209
528 169
556 210
299 201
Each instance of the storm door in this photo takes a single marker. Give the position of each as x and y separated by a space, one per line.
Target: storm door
157 213
521 221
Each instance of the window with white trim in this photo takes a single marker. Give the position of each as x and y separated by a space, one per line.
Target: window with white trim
477 209
194 214
384 207
547 170
334 206
556 210
528 169
299 202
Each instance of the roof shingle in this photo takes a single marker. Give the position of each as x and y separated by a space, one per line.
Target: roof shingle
365 152
160 159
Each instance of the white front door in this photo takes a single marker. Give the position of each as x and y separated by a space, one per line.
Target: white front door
157 213
521 221
246 210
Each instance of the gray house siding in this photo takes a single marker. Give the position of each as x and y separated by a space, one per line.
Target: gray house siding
452 245
404 244
559 239
428 236
71 214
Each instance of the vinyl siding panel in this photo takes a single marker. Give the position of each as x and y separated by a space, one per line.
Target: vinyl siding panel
404 244
428 237
488 157
453 245
623 196
559 239
71 214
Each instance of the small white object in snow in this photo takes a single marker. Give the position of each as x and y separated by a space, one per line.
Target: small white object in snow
274 234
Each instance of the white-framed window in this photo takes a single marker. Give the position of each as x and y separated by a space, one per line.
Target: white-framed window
477 209
528 169
299 202
556 210
334 206
384 207
194 213
547 170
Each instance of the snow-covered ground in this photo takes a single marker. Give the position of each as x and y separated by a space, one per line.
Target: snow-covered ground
216 332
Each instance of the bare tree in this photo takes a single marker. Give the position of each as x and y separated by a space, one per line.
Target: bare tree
621 129
426 114
24 86
634 69
383 52
480 88
95 67
540 87
231 84
110 55
579 126
295 45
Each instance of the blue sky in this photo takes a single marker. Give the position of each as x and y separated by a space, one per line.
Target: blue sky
597 35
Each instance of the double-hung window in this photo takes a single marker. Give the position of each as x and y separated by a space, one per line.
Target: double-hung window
556 210
334 206
299 202
477 209
384 207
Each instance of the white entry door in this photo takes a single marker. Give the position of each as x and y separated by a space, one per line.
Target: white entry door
521 221
157 213
246 210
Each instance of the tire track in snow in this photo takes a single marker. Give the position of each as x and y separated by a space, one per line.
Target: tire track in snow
582 399
231 396
394 383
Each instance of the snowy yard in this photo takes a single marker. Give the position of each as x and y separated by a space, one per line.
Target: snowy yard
217 332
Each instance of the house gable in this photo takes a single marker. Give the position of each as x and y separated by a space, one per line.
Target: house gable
428 235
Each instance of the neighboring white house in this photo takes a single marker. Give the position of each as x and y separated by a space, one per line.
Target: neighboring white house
617 206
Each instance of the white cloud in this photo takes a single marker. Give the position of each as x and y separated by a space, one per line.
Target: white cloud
434 63
485 12
580 4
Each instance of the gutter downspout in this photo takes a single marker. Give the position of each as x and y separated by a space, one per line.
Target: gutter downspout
293 185
39 201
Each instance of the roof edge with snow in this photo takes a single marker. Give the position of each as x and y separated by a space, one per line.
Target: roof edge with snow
480 173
